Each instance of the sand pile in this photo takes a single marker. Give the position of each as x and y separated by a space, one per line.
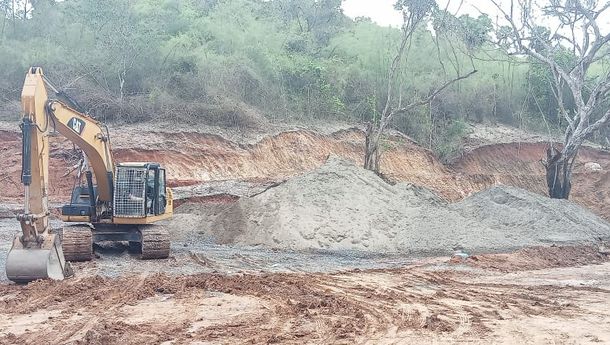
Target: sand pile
343 207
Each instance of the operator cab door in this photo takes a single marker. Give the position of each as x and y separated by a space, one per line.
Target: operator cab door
155 191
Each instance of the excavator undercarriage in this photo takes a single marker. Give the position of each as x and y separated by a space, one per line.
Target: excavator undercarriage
147 241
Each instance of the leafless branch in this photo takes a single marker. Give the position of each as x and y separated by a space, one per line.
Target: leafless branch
432 94
375 131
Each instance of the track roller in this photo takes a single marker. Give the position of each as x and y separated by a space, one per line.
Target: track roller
77 243
155 242
135 247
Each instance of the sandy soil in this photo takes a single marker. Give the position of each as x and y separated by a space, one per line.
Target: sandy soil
210 294
435 300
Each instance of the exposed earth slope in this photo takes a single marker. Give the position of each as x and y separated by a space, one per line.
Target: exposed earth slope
193 158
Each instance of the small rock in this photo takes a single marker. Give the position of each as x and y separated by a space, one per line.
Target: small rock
592 166
459 257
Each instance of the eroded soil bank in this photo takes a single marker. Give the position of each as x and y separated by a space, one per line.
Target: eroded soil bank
193 158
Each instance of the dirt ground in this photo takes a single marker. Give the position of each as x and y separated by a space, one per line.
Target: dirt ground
207 293
212 294
536 296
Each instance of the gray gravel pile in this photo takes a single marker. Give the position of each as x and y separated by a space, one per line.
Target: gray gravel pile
523 218
343 207
6 213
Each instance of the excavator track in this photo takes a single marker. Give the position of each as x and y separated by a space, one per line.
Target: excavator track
155 242
77 243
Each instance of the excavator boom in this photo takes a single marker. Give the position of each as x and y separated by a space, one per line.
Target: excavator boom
37 253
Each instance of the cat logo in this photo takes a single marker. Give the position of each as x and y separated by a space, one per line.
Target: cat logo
77 125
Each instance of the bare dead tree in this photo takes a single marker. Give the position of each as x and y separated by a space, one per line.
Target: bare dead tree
14 11
414 14
576 29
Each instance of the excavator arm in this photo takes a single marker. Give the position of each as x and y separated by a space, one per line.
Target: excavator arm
37 253
87 134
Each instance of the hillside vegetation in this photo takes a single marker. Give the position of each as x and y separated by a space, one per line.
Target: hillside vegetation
244 63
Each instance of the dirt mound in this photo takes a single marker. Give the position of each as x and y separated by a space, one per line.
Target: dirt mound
518 165
526 218
337 207
343 207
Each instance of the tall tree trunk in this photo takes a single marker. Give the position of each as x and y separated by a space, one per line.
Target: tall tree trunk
371 149
413 15
559 173
2 31
14 22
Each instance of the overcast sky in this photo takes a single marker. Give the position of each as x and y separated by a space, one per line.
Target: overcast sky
382 11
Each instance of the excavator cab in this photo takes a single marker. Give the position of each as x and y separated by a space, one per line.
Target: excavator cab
140 198
140 190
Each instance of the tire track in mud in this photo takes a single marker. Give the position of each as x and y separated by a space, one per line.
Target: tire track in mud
352 307
441 304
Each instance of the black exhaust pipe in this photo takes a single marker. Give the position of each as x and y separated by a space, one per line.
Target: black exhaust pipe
93 211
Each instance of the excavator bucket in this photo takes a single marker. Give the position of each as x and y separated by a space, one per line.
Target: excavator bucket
39 262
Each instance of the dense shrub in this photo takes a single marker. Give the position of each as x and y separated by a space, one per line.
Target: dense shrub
244 62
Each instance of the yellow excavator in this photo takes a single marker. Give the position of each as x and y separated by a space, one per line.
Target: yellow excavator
119 202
